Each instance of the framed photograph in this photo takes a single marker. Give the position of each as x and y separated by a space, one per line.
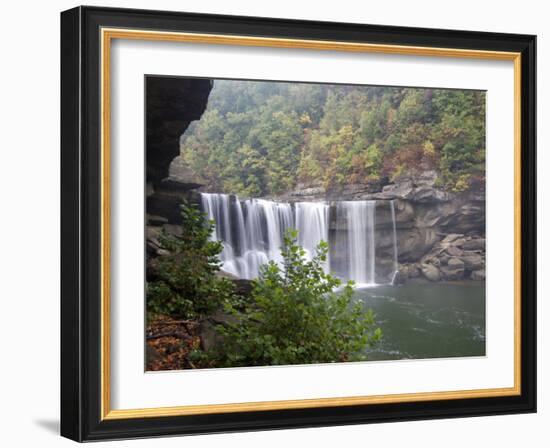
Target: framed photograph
276 224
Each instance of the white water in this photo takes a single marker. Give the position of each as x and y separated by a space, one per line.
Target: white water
395 263
312 225
251 231
252 234
356 238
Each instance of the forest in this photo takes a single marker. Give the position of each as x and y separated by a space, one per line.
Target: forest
264 138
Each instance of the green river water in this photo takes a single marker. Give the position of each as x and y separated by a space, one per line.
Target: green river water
427 320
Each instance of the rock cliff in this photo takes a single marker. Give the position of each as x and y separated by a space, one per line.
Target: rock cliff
172 104
440 234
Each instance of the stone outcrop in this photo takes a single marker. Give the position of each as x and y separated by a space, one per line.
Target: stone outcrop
164 203
455 257
440 234
172 104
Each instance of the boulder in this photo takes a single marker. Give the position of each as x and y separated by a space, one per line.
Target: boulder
459 242
454 270
478 275
473 261
474 244
454 251
451 237
413 271
430 272
455 263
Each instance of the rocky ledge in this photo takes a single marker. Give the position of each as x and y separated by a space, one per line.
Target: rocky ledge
455 257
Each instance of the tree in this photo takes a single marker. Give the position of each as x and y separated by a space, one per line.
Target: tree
296 316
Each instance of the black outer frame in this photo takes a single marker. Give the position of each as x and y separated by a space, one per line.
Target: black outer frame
80 224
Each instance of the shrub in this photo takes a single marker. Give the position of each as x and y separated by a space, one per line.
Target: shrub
295 316
186 283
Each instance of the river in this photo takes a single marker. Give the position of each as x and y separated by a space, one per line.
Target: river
433 320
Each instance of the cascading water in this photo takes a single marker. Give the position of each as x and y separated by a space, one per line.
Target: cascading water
252 234
251 231
355 241
395 262
265 225
216 206
312 225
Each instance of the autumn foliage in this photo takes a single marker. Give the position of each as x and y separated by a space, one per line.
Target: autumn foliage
263 138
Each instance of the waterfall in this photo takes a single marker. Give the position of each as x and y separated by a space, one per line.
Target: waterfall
265 225
395 262
252 233
355 241
216 206
312 226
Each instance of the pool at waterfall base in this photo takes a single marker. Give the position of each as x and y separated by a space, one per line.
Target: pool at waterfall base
425 320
